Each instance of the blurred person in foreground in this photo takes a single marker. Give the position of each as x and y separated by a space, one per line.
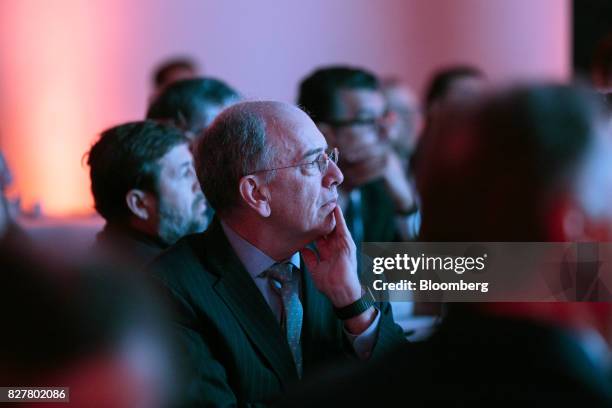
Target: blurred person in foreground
447 87
192 104
523 165
144 185
348 107
78 328
257 308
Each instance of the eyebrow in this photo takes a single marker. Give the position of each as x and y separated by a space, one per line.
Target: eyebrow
313 151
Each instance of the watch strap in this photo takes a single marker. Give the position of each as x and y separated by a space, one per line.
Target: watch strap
356 308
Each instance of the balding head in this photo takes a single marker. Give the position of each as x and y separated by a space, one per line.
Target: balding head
241 141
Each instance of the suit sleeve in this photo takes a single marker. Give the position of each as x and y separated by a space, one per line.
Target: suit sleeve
390 335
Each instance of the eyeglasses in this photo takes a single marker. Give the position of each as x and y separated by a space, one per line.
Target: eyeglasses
370 122
322 161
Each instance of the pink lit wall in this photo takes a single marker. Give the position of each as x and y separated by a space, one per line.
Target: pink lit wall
70 68
509 39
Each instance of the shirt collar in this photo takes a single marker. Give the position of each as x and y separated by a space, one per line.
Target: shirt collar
254 260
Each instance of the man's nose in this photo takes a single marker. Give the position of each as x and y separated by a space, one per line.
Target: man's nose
333 175
195 187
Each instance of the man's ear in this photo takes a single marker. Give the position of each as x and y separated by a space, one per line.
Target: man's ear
255 194
140 203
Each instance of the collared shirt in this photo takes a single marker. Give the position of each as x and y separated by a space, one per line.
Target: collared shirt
256 262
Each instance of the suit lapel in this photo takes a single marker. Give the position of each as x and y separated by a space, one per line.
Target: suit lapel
238 291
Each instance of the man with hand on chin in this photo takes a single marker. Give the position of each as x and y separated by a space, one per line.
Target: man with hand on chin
256 310
349 109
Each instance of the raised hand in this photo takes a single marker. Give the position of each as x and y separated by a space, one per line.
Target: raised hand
334 272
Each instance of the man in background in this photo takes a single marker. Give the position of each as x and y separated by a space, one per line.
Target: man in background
172 70
403 102
350 110
192 104
453 84
144 185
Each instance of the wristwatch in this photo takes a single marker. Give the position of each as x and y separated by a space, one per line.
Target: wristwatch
356 308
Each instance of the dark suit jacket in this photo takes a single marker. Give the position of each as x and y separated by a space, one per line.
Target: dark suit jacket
472 360
127 247
235 351
377 214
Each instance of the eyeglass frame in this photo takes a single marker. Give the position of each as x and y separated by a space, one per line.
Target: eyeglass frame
328 154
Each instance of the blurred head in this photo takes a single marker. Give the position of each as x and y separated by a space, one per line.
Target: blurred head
526 165
173 70
142 176
520 166
403 102
192 104
454 84
350 110
84 329
265 163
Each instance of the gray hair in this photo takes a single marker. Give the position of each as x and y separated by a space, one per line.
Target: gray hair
234 145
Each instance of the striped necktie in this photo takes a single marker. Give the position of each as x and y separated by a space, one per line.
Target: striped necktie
285 282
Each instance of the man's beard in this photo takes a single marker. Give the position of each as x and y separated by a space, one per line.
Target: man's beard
173 225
